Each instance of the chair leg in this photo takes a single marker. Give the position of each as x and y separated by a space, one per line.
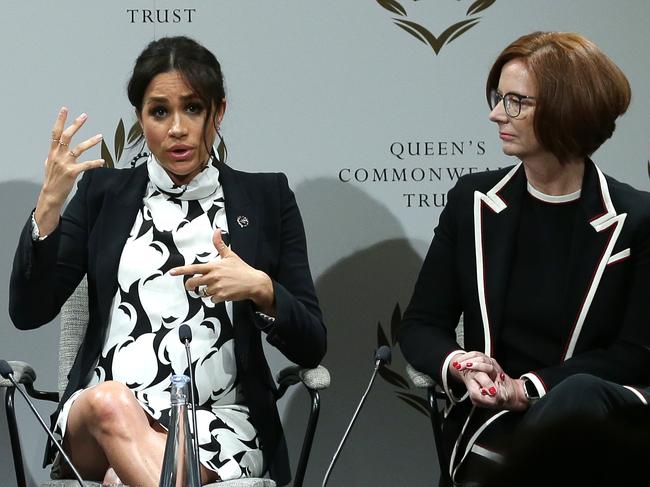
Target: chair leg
445 479
309 438
14 438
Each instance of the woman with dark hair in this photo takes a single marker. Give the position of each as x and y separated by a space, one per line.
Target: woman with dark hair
548 262
182 239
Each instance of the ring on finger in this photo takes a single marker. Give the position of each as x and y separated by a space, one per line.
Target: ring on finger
72 153
54 139
204 292
64 144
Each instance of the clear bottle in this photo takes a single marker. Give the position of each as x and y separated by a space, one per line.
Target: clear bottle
179 468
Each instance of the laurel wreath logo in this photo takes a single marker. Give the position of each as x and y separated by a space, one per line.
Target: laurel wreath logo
122 140
389 375
422 34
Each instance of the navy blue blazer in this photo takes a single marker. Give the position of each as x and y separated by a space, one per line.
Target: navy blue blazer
606 314
90 238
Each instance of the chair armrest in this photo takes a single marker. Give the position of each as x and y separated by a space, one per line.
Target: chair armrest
419 379
434 393
314 379
25 374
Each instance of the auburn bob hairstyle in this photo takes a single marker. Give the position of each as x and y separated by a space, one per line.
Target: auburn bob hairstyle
580 91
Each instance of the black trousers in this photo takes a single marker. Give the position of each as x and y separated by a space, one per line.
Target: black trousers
585 431
583 395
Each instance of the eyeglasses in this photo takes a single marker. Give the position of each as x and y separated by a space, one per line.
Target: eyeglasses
511 102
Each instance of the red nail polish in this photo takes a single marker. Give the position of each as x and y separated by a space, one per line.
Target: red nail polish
457 366
493 391
503 376
484 392
469 364
454 363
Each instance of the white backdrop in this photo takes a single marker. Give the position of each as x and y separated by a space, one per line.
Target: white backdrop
322 91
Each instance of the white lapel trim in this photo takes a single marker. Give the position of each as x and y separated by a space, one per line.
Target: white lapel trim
489 454
637 394
452 470
601 223
619 256
472 440
604 191
495 203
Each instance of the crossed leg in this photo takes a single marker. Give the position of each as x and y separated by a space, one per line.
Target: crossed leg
107 428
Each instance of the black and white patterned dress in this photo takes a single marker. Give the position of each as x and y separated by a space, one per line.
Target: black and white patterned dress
142 349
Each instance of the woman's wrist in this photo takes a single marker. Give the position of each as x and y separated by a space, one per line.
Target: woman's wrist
264 296
49 198
47 214
521 399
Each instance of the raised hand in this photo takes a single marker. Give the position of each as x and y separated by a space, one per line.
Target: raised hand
229 279
486 382
62 169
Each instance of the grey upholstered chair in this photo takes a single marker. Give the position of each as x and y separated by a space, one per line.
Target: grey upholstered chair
436 398
74 320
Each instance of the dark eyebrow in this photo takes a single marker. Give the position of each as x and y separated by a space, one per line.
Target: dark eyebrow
164 99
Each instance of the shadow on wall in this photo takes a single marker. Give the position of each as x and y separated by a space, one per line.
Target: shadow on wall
38 347
367 265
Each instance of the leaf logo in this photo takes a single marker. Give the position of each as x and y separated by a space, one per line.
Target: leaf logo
121 140
423 34
394 378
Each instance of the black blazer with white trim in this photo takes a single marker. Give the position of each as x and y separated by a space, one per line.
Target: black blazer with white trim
90 238
606 314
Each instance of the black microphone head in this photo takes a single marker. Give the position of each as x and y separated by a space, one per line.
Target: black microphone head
383 355
185 333
5 369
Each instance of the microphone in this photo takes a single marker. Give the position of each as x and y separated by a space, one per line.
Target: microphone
8 373
382 357
185 336
5 370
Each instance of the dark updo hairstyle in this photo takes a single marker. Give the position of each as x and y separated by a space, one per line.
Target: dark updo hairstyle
197 65
580 91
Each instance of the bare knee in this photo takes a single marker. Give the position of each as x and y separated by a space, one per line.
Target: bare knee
108 407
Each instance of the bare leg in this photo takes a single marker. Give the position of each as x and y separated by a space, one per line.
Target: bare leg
207 476
111 478
107 428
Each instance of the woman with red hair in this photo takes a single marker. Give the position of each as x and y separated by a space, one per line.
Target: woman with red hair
548 261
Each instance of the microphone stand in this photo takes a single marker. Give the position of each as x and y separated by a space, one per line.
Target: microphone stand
10 376
381 356
186 341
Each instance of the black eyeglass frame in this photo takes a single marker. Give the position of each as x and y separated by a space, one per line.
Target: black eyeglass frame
497 98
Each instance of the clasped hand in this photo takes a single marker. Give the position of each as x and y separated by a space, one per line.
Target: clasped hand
486 382
228 279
